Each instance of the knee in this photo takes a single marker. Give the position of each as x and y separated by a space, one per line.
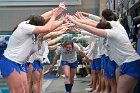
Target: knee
19 89
67 77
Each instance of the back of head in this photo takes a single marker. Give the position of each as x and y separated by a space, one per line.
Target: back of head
108 14
36 20
104 25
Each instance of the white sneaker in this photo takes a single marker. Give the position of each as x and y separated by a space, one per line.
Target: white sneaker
63 76
88 75
88 89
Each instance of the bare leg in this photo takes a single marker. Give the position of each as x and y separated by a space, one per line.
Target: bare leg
113 85
117 73
36 82
41 76
67 74
94 80
107 86
72 74
29 74
67 77
25 82
126 84
13 83
102 81
99 80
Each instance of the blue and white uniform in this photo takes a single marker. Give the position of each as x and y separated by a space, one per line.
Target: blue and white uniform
120 50
93 51
37 58
18 49
68 57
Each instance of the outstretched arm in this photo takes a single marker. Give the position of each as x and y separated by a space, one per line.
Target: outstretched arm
93 30
53 34
54 62
49 25
54 46
56 39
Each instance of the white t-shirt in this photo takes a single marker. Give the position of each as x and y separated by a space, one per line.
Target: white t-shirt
42 52
102 47
119 47
116 25
93 47
20 43
70 56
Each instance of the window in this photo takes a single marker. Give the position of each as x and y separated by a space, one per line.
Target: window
37 2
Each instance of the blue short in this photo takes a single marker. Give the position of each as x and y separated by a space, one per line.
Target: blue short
131 69
7 66
110 68
97 62
72 65
24 67
37 65
92 66
103 58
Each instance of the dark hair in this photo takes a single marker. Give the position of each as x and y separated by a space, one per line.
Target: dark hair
116 17
108 14
68 42
104 25
36 20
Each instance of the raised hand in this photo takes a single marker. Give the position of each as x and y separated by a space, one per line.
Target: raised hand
62 5
57 11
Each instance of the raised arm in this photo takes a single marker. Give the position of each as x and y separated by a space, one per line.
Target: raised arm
54 62
48 14
53 34
52 47
86 20
91 16
93 30
49 25
55 40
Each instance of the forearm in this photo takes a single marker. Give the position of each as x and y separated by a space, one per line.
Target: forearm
57 24
94 17
47 15
86 33
50 24
54 61
55 40
89 22
53 47
93 30
84 54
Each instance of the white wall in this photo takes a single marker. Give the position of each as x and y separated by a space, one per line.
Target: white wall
11 16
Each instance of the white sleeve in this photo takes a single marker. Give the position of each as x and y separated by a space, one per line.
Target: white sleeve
111 33
85 37
86 49
46 52
58 50
76 47
28 28
86 33
94 17
92 47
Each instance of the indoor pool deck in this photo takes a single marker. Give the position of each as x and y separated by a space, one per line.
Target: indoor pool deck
54 85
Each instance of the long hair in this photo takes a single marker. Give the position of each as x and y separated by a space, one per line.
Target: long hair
68 42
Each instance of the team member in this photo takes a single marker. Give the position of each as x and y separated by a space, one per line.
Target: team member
20 47
69 62
119 49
